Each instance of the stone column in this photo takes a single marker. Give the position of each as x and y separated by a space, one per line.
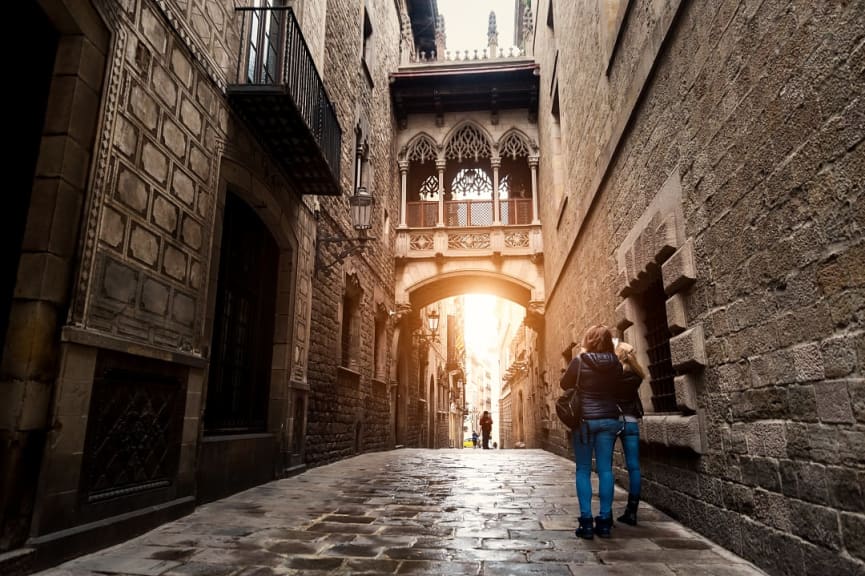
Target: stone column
497 213
533 164
403 172
440 166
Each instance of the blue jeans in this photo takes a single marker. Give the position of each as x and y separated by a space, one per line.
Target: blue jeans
631 447
598 437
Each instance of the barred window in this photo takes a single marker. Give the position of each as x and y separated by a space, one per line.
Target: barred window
653 303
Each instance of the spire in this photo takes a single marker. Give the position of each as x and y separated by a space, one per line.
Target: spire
493 36
441 38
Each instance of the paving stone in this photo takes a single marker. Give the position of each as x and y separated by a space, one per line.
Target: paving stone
415 512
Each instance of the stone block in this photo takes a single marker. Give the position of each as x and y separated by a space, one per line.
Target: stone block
772 509
174 139
78 56
856 390
686 393
625 314
164 86
181 67
113 228
760 472
767 438
853 534
183 187
846 491
164 214
687 350
195 275
132 191
684 432
144 245
174 263
839 356
191 233
833 402
802 403
153 30
808 363
851 447
772 369
63 157
30 352
183 310
144 108
680 270
154 162
669 236
119 282
620 286
72 109
154 297
199 162
738 498
191 118
677 317
817 524
653 429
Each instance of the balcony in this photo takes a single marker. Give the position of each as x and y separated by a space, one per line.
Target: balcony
279 94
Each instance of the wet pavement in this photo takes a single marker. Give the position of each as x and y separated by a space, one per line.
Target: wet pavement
408 511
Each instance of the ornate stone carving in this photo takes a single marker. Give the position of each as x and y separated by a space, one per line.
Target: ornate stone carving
469 241
468 142
517 239
420 242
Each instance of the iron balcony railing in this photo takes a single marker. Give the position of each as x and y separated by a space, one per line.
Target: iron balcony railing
273 53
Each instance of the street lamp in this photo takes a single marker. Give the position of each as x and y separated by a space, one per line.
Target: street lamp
360 205
425 335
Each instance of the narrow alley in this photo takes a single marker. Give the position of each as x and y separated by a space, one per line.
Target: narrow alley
413 511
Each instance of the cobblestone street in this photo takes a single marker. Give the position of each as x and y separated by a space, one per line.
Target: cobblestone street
411 511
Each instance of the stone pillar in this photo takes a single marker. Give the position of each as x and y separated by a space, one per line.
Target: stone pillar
497 214
492 36
440 166
403 172
533 164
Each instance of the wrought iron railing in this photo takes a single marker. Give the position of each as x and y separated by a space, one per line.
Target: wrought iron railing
273 52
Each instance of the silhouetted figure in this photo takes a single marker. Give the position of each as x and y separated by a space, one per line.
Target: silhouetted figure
486 429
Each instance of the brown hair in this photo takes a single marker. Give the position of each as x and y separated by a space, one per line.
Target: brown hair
598 339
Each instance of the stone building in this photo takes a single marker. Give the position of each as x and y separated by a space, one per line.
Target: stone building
187 308
191 302
701 178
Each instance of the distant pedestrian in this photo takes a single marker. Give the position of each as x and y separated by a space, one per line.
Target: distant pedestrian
495 445
486 429
632 411
474 438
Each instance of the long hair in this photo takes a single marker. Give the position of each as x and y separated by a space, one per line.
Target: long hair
628 358
598 339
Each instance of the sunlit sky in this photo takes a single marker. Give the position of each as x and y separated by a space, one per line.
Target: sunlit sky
466 22
481 325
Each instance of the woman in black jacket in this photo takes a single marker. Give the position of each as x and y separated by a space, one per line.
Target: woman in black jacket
601 382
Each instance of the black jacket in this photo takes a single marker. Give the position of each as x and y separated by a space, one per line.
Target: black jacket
606 390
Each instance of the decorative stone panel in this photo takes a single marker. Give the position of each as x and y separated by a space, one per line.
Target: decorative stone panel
672 430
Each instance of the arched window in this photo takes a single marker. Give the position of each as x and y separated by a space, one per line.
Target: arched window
469 142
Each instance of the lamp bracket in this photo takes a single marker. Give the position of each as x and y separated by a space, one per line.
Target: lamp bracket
354 245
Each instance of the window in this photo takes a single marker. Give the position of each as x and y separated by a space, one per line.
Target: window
367 53
657 335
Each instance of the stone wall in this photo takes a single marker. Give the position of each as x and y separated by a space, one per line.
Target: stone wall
342 421
756 109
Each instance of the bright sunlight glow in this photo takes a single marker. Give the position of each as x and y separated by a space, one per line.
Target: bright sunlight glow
467 21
